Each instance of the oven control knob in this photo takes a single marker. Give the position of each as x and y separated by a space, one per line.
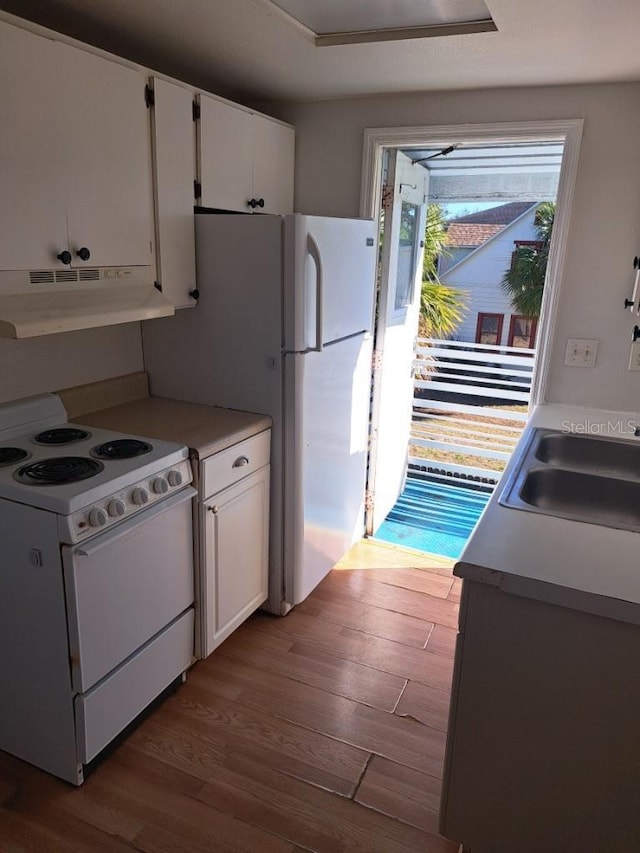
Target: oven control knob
116 508
174 478
97 517
160 486
140 497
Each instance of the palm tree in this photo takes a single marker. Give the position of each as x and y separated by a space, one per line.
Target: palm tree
524 281
441 306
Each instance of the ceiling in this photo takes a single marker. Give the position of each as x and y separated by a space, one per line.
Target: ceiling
249 50
513 158
487 172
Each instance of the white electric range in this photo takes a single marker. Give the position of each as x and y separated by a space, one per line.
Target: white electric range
96 572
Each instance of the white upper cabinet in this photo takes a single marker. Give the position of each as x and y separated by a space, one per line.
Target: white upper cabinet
84 162
273 158
33 225
76 158
107 142
226 155
246 160
175 170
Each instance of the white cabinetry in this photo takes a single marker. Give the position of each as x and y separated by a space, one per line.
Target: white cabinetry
234 538
246 159
33 225
74 144
108 160
174 174
273 161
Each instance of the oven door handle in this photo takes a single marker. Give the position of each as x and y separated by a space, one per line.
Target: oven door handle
126 527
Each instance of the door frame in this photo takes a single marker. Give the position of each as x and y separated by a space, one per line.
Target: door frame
390 249
568 131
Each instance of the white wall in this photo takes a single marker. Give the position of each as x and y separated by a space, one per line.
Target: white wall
605 224
480 276
53 362
452 256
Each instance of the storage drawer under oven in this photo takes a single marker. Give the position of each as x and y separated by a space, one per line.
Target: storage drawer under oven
124 586
228 466
104 711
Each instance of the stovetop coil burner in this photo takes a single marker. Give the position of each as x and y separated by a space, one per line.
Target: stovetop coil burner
11 455
121 448
58 471
61 435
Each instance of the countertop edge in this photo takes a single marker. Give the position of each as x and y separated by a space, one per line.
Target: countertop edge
573 564
561 596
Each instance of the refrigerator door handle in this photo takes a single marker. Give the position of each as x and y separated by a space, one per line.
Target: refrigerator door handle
314 252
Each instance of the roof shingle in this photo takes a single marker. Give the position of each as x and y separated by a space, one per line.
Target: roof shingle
460 234
503 214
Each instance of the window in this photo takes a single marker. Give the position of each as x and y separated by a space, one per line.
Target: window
408 250
529 244
522 332
489 329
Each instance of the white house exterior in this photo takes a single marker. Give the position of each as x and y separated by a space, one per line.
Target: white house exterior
478 271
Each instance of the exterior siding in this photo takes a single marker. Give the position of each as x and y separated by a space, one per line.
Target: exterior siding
480 274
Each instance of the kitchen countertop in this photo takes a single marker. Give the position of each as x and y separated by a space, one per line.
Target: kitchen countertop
584 566
123 404
205 429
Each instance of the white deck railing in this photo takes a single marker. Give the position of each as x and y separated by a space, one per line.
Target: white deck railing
469 407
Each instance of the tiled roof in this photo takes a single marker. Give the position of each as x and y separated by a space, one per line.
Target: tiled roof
503 214
461 234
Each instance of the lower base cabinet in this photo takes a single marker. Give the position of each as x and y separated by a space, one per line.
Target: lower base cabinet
234 542
543 745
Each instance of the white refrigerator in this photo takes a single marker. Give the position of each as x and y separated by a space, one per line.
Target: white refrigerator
283 327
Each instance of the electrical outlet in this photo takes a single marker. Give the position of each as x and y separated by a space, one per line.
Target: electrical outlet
634 358
581 353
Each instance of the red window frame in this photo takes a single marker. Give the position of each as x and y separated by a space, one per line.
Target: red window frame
481 317
512 329
534 244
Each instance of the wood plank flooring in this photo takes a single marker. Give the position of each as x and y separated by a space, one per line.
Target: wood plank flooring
322 731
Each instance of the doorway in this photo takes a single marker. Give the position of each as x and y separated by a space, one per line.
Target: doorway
394 173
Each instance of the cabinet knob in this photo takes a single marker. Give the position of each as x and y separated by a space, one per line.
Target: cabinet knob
260 202
213 509
194 294
64 257
240 462
84 254
252 203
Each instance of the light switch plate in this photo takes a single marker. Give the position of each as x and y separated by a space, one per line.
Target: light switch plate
580 352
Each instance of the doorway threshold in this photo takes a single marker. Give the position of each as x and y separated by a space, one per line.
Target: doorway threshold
372 553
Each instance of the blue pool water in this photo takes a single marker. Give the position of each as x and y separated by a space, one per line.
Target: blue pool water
433 516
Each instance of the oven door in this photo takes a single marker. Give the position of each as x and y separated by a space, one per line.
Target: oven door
125 585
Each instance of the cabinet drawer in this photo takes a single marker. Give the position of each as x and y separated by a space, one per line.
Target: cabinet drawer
112 704
227 467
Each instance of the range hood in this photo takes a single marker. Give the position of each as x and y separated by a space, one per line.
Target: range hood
45 312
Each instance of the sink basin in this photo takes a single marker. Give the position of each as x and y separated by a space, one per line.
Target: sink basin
591 479
583 497
606 457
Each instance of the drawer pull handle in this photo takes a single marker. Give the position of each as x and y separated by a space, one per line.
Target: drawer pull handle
241 461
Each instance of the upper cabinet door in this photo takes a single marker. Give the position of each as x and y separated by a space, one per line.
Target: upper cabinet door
108 149
273 160
175 170
226 155
33 228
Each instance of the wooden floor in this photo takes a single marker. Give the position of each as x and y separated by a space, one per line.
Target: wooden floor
321 731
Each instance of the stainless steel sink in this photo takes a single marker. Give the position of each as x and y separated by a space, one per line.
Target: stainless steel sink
583 478
605 457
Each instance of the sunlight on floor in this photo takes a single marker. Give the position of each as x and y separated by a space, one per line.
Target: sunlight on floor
369 554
